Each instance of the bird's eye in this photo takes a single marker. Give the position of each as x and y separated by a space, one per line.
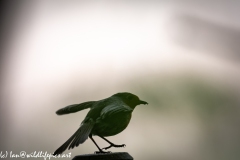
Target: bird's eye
129 98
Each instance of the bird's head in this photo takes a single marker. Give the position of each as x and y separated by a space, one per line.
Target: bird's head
130 99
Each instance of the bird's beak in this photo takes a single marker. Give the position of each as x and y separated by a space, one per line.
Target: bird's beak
142 102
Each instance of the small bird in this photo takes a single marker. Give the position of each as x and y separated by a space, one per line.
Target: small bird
106 117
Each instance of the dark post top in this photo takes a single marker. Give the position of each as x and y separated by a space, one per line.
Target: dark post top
107 156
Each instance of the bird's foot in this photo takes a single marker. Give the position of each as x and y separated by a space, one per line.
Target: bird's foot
102 152
114 145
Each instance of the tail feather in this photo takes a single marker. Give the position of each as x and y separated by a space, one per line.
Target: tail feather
85 136
77 138
63 147
81 136
74 141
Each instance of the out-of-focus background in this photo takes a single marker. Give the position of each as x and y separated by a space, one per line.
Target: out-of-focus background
182 57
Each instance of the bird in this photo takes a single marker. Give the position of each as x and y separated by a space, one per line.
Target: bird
106 117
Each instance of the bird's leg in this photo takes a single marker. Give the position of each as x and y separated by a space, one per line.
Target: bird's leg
111 144
100 151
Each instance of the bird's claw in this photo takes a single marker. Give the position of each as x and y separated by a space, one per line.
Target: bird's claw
114 145
106 148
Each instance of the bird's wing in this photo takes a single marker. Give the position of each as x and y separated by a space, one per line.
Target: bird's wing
114 109
75 108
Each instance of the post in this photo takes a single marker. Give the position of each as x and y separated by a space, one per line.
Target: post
108 156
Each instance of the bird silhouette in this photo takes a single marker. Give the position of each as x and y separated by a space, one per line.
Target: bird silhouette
106 117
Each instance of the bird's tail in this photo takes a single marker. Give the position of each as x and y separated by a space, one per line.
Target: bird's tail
77 138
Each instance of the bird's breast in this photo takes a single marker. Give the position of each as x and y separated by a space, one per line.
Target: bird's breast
112 124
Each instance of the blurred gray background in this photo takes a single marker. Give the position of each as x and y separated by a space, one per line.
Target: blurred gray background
182 57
